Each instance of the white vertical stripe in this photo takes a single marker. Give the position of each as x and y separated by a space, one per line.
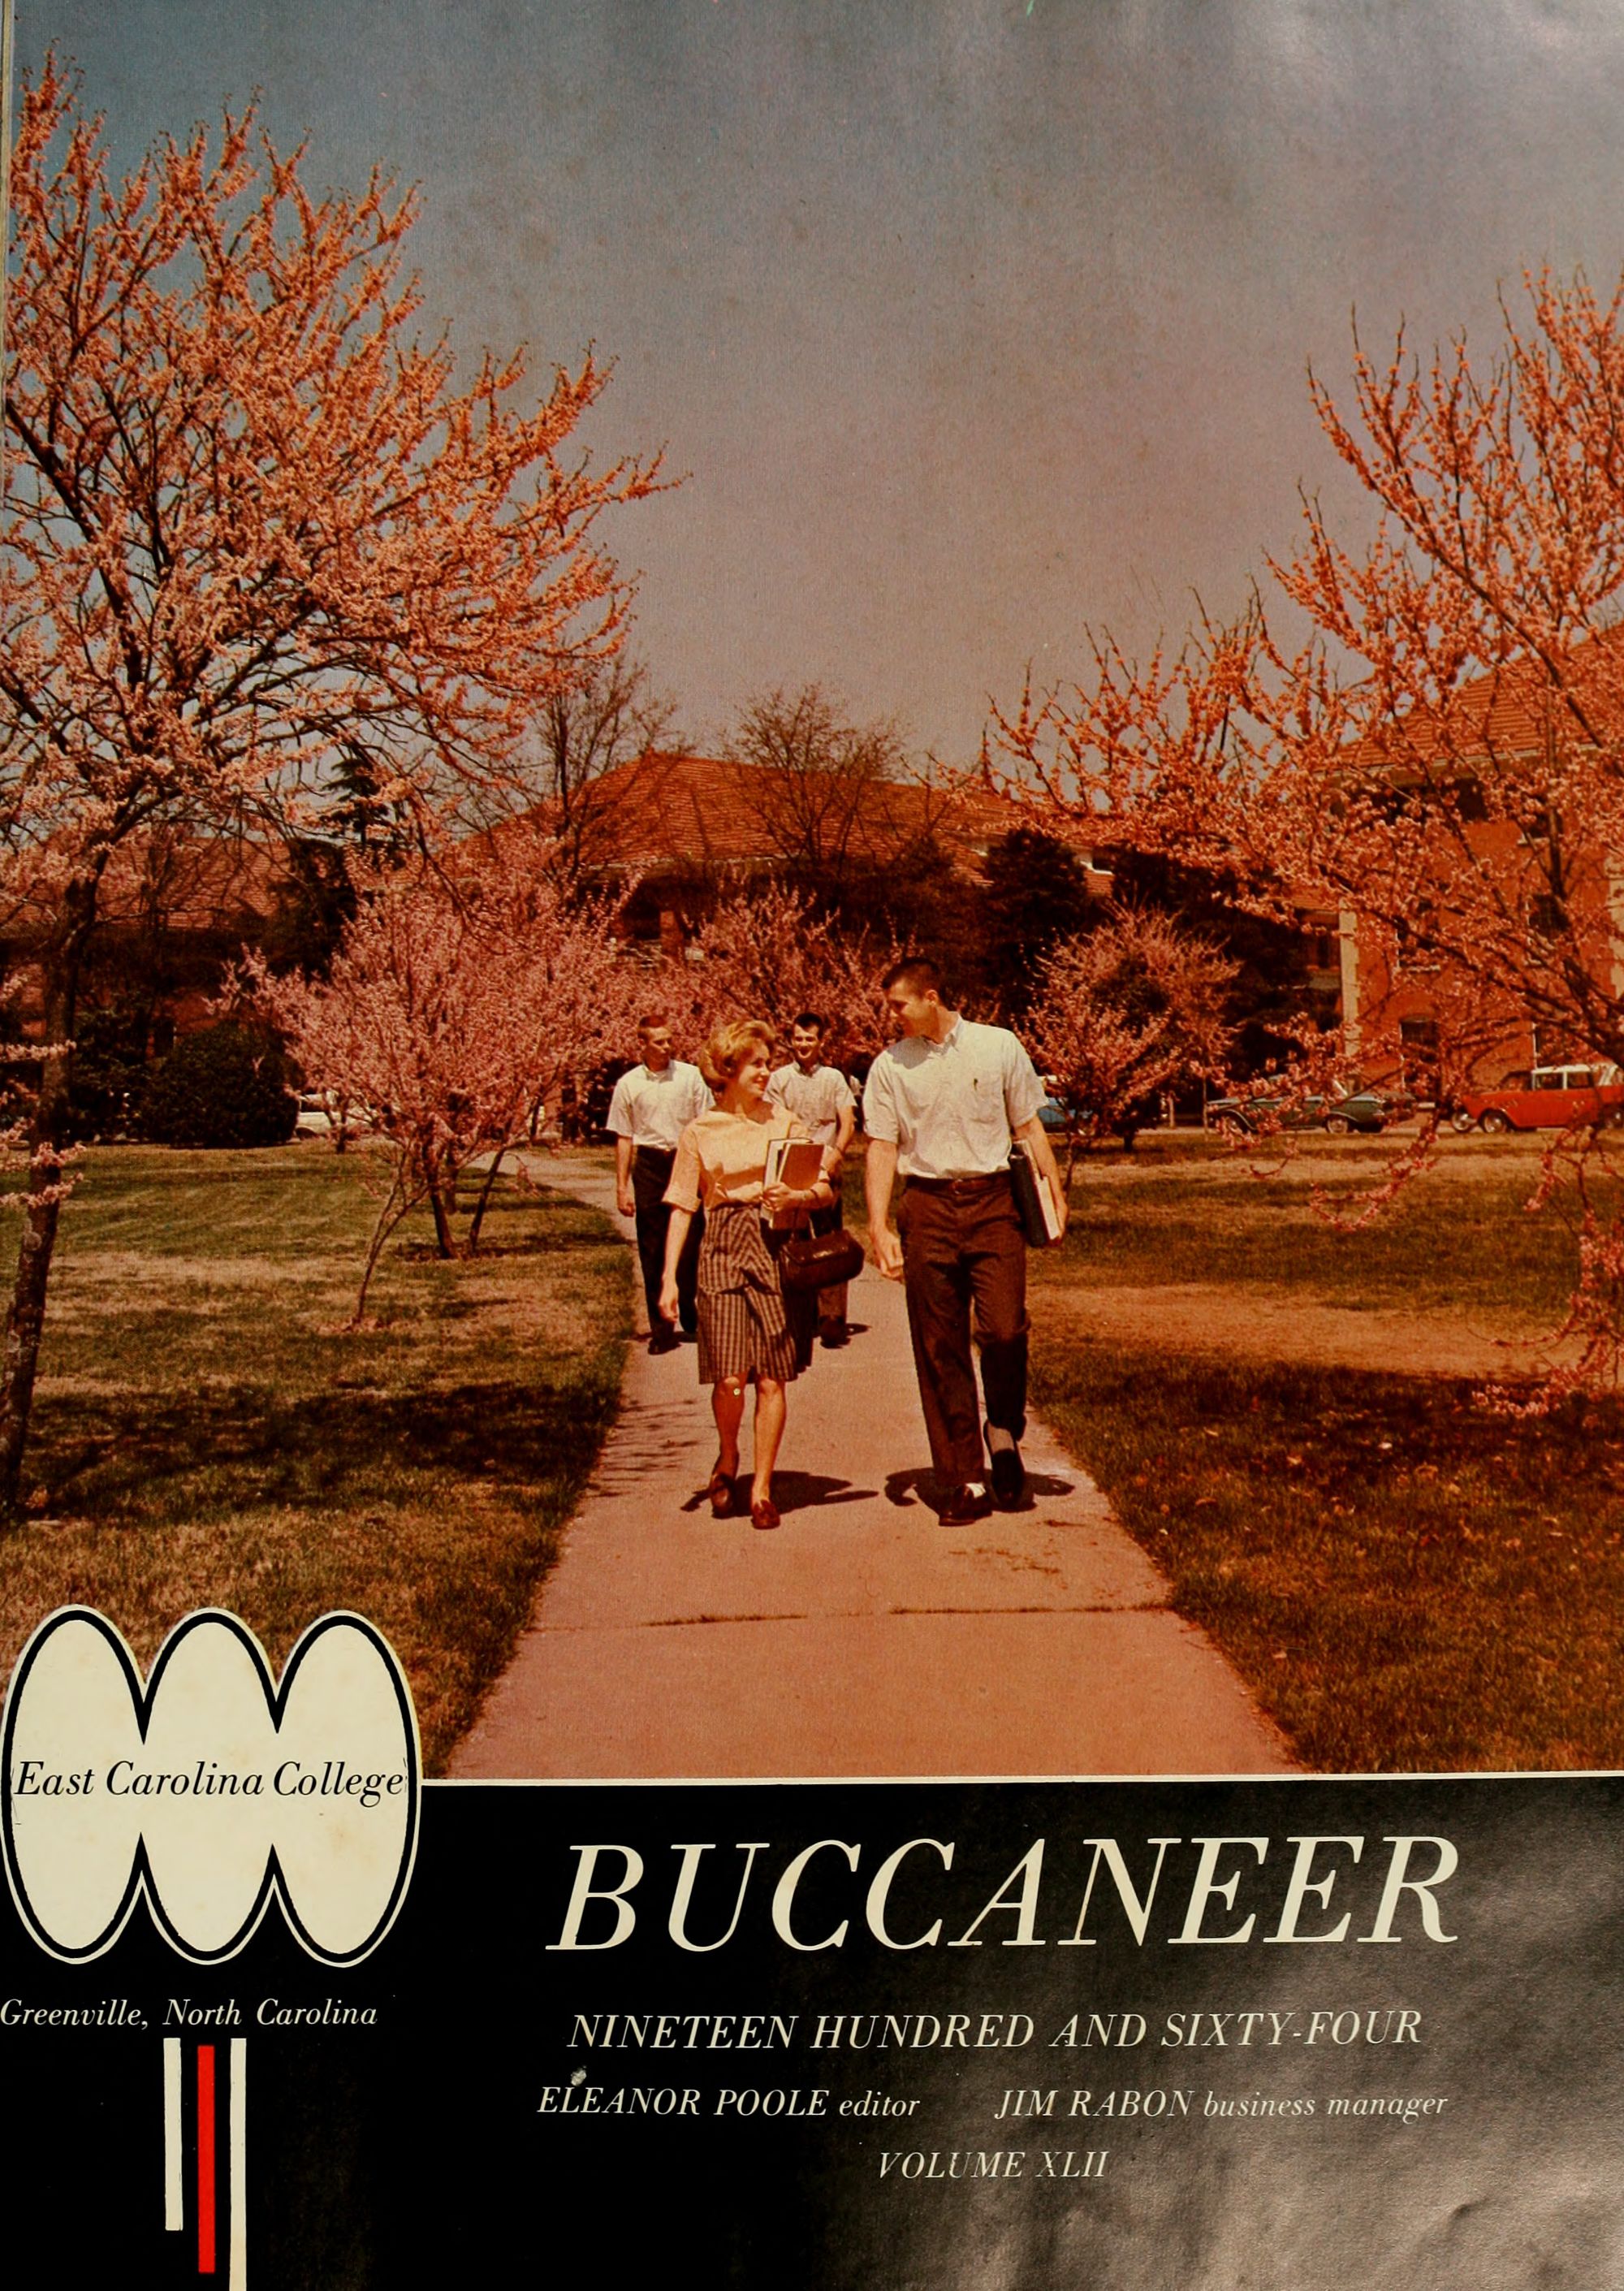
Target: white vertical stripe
237 2274
174 2197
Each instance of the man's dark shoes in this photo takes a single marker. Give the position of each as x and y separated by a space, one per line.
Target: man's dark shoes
835 1333
1009 1476
963 1504
664 1340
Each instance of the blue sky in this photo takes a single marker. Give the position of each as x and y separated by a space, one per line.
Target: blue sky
968 324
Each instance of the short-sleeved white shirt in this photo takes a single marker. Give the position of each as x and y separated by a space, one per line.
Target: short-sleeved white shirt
654 1109
819 1099
949 1107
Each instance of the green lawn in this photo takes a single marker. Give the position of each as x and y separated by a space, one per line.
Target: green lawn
1406 1579
1461 1238
207 1434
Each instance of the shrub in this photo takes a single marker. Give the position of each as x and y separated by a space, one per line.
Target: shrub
225 1085
110 1071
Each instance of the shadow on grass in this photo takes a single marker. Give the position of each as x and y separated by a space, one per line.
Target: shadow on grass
1405 1579
214 1441
541 1245
152 1455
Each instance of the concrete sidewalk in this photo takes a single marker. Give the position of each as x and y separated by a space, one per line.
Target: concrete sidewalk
862 1637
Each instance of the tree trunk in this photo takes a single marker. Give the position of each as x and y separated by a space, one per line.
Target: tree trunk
25 1324
443 1241
24 1321
485 1190
400 1200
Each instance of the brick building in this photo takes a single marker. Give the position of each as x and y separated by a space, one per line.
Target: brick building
689 827
1495 844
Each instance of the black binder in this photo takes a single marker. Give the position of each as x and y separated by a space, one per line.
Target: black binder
1034 1201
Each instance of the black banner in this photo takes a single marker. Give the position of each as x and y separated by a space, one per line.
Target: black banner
847 2034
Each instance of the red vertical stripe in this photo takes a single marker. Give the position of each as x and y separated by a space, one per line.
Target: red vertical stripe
206 2159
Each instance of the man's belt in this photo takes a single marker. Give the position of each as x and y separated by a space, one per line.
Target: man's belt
982 1183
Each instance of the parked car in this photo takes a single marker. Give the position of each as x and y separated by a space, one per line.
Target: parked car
321 1112
1547 1097
1367 1111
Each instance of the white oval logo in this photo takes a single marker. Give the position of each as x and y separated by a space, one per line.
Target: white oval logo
212 1789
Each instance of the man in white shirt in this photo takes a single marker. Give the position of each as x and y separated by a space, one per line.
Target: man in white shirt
820 1097
942 1107
652 1106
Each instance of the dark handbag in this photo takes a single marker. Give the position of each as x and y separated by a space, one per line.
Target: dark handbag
819 1260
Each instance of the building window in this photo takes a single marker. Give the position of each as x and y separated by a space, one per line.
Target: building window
1548 915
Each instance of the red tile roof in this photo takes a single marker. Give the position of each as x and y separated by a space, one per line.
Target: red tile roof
710 812
1507 711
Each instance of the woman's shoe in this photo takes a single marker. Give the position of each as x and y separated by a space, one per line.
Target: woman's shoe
721 1490
764 1512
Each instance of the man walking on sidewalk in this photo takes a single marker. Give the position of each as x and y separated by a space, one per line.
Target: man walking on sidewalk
942 1107
652 1106
820 1097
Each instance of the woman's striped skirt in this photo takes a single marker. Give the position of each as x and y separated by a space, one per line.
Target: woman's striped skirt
748 1326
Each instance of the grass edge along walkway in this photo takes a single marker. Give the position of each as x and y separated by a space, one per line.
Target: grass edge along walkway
207 1434
1405 1581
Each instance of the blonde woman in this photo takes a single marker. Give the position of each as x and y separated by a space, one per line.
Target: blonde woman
748 1326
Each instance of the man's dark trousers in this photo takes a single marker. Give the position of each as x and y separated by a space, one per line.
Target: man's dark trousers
650 1175
963 1246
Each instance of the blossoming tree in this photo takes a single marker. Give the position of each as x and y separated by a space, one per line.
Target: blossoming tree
1440 760
768 952
1125 1012
252 521
467 988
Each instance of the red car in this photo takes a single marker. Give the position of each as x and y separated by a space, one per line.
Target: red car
1547 1097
